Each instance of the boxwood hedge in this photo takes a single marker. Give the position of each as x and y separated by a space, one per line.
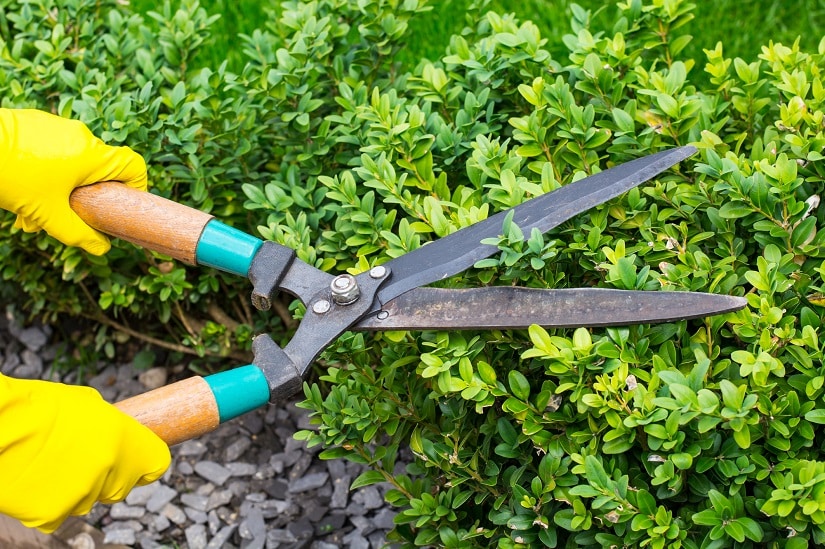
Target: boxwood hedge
689 434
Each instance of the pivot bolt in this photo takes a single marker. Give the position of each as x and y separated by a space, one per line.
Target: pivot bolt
345 289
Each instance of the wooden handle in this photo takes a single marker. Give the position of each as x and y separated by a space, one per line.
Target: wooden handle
141 218
177 412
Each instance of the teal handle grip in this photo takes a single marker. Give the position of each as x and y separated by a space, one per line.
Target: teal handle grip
226 248
238 391
196 405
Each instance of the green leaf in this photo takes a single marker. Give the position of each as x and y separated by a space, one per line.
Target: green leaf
367 478
735 210
564 519
797 543
178 94
594 470
530 150
582 340
515 406
646 502
541 339
519 385
585 491
732 395
684 394
329 453
623 121
396 336
804 232
486 373
507 432
144 360
816 416
719 502
743 438
668 104
509 39
682 461
708 517
751 528
627 272
617 446
735 530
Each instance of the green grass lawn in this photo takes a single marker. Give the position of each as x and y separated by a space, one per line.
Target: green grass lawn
743 26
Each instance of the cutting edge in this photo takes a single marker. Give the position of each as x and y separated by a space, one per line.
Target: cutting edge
512 307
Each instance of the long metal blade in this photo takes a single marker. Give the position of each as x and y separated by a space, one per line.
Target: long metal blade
458 251
503 307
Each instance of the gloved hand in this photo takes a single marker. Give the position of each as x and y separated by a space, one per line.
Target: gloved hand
62 448
43 157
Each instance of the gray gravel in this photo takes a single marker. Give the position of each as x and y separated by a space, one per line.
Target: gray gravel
249 484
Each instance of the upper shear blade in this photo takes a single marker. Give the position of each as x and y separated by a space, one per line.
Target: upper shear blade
460 250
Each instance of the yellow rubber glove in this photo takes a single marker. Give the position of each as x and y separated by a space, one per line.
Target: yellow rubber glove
62 448
43 158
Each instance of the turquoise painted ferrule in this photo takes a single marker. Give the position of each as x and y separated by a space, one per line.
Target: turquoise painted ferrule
238 391
226 248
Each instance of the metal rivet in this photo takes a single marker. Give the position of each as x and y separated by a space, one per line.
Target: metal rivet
378 272
321 306
344 289
382 315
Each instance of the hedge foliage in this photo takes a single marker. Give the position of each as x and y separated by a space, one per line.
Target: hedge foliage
690 434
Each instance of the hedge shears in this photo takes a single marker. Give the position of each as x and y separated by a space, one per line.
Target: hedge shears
390 296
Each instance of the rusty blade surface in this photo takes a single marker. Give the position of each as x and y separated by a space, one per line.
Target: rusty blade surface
507 307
